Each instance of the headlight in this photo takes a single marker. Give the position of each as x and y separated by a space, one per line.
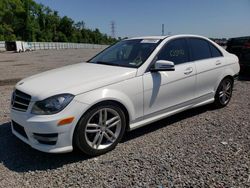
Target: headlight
52 105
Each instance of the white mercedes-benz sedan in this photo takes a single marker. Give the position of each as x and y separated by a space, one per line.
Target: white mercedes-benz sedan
135 82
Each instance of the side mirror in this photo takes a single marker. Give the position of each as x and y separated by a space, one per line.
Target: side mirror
162 65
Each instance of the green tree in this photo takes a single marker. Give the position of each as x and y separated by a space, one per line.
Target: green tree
30 21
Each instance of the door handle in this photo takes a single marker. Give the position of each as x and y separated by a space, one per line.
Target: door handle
218 62
188 70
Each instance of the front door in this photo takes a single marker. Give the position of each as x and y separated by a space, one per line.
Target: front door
170 90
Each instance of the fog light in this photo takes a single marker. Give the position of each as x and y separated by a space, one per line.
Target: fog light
48 139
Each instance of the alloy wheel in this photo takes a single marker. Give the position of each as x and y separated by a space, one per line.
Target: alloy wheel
103 128
225 92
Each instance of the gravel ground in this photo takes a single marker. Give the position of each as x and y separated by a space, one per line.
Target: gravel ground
202 147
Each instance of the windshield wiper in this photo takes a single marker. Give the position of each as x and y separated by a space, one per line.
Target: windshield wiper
111 64
106 63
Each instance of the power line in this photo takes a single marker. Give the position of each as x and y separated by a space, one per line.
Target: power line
162 29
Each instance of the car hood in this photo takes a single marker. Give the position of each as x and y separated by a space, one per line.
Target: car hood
74 79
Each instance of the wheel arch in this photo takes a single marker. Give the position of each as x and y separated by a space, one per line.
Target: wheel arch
228 73
103 102
111 101
218 102
230 77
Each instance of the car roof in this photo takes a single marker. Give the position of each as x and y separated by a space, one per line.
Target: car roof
150 37
165 36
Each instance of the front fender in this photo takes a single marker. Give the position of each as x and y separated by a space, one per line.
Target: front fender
93 97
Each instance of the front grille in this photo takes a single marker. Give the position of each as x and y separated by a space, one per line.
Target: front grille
20 101
18 128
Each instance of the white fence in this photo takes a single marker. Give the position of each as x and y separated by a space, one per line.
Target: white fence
2 46
62 45
52 45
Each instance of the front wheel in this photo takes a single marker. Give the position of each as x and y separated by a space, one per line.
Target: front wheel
100 129
224 93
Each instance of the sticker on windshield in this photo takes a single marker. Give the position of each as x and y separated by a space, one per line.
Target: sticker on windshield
150 41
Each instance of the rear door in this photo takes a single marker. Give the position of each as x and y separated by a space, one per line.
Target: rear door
209 62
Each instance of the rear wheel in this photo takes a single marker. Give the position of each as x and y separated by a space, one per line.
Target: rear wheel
224 93
100 129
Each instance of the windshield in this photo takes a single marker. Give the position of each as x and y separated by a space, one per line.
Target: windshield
127 53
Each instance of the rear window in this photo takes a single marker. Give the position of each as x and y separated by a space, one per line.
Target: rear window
215 51
199 49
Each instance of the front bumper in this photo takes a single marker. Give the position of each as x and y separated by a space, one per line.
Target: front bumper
41 132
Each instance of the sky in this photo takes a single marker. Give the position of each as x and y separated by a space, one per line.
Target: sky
210 18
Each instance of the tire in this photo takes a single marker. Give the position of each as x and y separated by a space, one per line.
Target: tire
224 93
100 129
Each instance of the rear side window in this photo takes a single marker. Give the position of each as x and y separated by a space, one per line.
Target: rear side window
175 51
199 49
214 51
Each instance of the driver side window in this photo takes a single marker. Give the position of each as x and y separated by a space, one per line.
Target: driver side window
175 51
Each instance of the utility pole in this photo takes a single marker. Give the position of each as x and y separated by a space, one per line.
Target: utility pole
162 29
113 29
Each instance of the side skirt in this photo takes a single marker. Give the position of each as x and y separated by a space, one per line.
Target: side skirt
166 113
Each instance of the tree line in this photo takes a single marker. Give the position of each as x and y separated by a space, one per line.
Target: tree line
29 21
